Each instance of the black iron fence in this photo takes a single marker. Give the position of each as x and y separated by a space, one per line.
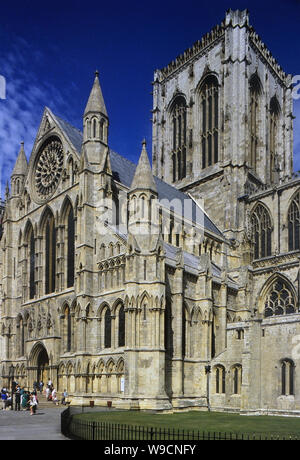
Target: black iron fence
77 428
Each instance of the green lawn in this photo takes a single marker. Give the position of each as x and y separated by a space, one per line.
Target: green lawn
202 421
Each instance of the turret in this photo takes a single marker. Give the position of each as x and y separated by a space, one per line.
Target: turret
95 125
145 283
143 216
19 173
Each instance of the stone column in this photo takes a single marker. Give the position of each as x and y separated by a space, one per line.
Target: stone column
177 314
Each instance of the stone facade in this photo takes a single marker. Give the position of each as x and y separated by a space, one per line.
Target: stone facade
169 288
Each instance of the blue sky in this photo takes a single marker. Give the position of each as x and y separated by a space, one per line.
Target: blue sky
48 55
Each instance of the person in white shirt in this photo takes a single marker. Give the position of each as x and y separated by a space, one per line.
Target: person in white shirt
54 397
33 404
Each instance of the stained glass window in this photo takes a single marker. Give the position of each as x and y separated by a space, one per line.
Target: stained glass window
179 124
255 92
121 327
107 329
32 266
50 255
261 232
71 249
293 223
209 94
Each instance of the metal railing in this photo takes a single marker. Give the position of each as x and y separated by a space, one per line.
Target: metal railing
76 428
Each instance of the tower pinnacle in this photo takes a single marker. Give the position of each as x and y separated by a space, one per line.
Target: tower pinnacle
143 177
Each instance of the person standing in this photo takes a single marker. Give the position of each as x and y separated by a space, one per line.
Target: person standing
63 398
25 400
3 399
22 391
54 397
33 404
18 399
41 386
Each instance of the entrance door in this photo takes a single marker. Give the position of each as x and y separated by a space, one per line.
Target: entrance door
43 366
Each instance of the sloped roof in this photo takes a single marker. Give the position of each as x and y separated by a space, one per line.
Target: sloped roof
123 171
74 134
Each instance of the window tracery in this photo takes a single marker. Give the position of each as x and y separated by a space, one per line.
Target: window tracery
280 300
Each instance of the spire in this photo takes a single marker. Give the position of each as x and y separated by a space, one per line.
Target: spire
96 101
21 165
143 177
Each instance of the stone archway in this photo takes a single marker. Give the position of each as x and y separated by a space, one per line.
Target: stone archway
39 364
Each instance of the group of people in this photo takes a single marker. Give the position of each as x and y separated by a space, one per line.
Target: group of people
28 400
51 394
22 398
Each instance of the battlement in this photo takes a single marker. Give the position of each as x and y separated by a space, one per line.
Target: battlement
233 19
267 55
199 46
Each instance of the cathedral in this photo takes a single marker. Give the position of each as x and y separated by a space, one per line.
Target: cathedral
167 285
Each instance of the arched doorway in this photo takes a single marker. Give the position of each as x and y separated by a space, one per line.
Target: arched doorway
43 366
39 363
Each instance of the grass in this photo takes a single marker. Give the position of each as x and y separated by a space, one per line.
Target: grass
202 421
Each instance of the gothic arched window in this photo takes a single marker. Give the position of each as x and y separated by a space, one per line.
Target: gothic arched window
102 130
121 327
255 92
237 379
261 232
22 337
71 249
274 116
209 100
287 377
294 223
88 129
68 329
107 329
179 127
94 128
280 299
220 379
31 243
50 252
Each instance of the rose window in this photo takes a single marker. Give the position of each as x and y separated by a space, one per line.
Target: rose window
49 167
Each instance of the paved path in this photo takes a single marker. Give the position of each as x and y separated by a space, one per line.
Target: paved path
44 425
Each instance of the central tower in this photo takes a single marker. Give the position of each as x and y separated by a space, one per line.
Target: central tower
222 119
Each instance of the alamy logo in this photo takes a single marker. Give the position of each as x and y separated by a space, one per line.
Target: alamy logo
2 87
296 88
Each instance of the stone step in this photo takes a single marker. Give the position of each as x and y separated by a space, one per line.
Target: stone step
43 403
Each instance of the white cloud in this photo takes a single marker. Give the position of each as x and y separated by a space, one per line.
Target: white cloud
21 111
